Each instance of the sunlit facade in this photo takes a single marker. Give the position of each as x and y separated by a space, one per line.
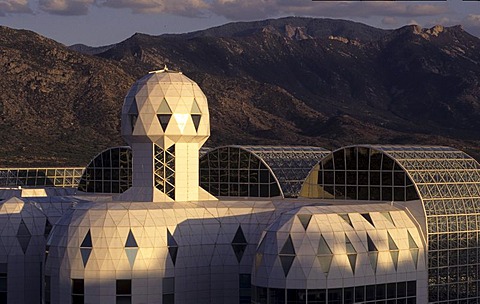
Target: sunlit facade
166 221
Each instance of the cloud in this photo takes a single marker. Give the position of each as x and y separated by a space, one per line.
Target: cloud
190 8
471 24
472 20
252 9
66 7
14 7
388 20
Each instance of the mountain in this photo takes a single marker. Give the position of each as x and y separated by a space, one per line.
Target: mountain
57 105
290 81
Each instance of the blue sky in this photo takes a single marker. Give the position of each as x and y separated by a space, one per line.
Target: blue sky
102 22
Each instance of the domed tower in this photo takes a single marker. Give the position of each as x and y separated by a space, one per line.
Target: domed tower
165 120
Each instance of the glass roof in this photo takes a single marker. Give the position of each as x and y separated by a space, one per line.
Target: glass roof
288 165
108 172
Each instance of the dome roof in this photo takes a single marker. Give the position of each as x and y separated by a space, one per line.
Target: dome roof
165 107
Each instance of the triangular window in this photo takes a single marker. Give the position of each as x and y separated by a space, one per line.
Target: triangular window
86 248
164 108
172 247
393 250
346 218
87 241
164 119
371 245
23 236
351 253
131 242
195 108
239 244
164 114
324 255
48 228
368 218
305 220
287 255
388 217
196 120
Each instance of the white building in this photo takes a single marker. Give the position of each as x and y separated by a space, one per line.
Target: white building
366 224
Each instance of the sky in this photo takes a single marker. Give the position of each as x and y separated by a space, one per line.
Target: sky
103 22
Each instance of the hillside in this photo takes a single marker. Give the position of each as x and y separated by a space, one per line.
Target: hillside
286 81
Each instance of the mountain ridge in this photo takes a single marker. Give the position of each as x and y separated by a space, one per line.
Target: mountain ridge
288 81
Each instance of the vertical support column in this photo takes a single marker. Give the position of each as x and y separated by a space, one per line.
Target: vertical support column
186 172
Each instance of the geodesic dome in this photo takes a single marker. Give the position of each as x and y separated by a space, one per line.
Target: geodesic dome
23 228
165 107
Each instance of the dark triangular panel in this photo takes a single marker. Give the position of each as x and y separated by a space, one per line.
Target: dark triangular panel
287 261
288 247
196 120
87 241
170 240
239 250
172 251
371 246
85 255
23 236
23 230
305 220
131 242
239 237
368 218
164 119
24 241
48 228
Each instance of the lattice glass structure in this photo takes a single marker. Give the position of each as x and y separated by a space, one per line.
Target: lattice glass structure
364 174
165 170
108 172
257 171
40 177
447 182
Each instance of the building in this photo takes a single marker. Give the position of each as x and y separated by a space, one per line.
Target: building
162 221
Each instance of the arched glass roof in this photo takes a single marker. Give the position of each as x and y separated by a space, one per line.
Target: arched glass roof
108 172
257 171
446 180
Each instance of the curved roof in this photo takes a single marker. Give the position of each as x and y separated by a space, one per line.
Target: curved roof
315 245
225 171
108 172
446 185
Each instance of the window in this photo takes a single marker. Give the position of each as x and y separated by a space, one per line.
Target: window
168 291
124 291
244 286
47 290
3 283
78 291
392 293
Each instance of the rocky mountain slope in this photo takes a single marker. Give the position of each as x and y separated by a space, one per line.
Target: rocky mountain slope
291 81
